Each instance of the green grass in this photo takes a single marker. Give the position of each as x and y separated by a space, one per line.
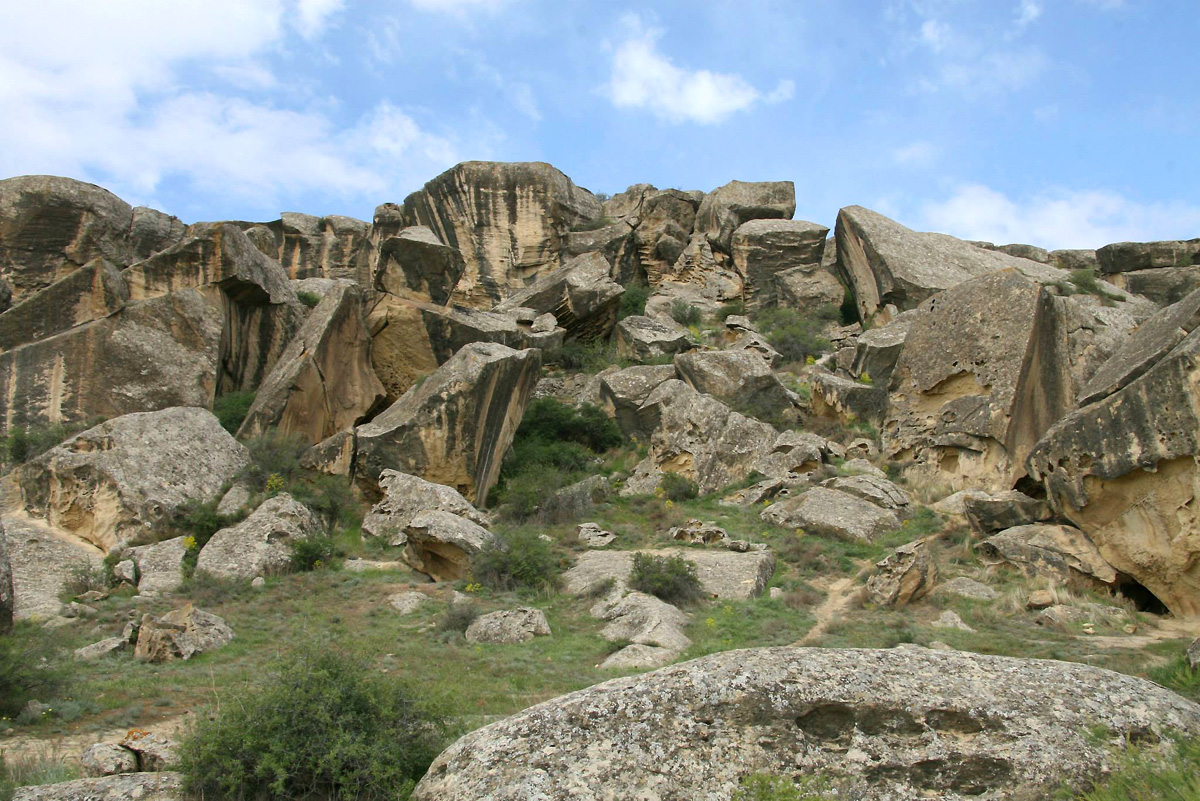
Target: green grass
757 623
1172 774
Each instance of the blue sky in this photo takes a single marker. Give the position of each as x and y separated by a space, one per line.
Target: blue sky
1063 123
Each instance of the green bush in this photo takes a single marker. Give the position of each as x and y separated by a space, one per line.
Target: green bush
1141 775
30 668
588 357
795 335
550 421
199 521
24 444
325 725
730 309
678 488
309 299
684 313
633 302
457 618
330 497
274 454
84 577
1086 281
517 560
311 553
768 787
670 578
1178 675
231 409
528 494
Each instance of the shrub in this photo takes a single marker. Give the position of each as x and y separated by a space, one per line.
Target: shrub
84 577
324 725
231 409
457 618
678 488
1141 775
311 553
309 299
684 313
1086 281
551 421
274 454
768 787
794 335
670 578
330 497
633 302
30 667
730 309
199 522
589 357
516 560
23 444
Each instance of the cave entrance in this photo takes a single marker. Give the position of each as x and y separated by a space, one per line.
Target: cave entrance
1142 598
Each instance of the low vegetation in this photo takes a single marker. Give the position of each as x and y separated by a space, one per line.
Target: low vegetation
519 559
309 299
633 302
231 409
1144 775
669 578
23 444
795 335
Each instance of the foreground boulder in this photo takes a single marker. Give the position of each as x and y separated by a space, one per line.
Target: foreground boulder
455 427
509 221
42 560
117 481
441 544
901 723
164 786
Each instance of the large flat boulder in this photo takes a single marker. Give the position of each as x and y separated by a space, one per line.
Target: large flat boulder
42 559
165 786
1123 469
323 383
984 371
647 338
832 513
118 481
762 249
509 221
903 723
261 544
1124 257
1060 553
580 294
728 207
722 574
739 378
455 427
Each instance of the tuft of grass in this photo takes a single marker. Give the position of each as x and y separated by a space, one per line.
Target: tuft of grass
309 299
1142 774
1179 676
519 559
684 313
33 771
796 336
770 787
25 444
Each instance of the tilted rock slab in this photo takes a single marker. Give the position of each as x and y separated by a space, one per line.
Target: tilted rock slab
741 378
580 294
323 383
509 221
832 513
261 544
119 480
728 207
1164 272
454 428
983 374
904 723
92 292
405 497
42 559
415 264
762 249
645 338
622 393
1061 553
1124 471
441 544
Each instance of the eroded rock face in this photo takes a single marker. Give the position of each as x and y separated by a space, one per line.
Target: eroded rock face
832 513
985 370
414 264
260 544
315 247
728 207
159 566
741 378
1061 553
580 294
906 575
323 383
180 634
1124 471
927 722
42 559
8 599
1124 257
118 480
647 338
762 249
622 393
92 292
142 786
405 497
509 221
454 428
440 544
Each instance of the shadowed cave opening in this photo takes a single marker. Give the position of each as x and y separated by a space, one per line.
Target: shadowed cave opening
1142 598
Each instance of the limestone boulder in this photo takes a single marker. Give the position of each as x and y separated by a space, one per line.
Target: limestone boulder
509 220
92 292
455 427
727 208
42 559
723 574
1061 553
988 514
414 264
984 372
107 759
180 634
103 648
404 498
154 751
1124 257
159 566
808 288
661 222
762 249
324 382
878 491
508 626
1123 470
964 587
877 723
7 595
904 576
166 786
740 378
582 297
591 535
260 544
622 393
832 513
876 351
653 628
119 480
846 400
647 338
441 544
50 226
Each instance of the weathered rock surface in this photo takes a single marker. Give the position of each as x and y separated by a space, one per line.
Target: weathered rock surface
1123 257
762 249
307 247
724 574
1163 286
455 427
42 559
7 596
159 566
809 288
878 491
107 759
416 265
967 588
509 221
846 400
1062 553
877 350
832 513
49 226
988 514
984 372
508 626
647 338
904 576
622 393
323 383
99 650
653 628
440 544
727 208
740 378
406 496
92 292
900 723
154 751
140 786
117 481
408 602
1123 470
582 297
259 545
591 535
180 634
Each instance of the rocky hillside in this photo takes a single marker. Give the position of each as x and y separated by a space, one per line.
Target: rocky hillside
550 438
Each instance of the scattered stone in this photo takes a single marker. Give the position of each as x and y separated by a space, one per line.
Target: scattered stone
406 496
964 587
832 513
164 786
906 575
107 759
126 571
260 544
1193 654
508 626
408 602
1063 616
180 634
154 752
592 536
1019 728
1039 599
950 620
697 532
159 566
99 650
258 582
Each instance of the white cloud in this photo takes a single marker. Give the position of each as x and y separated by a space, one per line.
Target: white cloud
383 43
458 6
916 154
1028 11
105 94
1106 5
642 77
1058 218
935 35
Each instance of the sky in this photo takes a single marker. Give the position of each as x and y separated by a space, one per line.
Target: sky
1059 123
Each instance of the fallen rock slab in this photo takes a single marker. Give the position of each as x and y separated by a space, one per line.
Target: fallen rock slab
180 634
508 626
724 574
832 513
261 544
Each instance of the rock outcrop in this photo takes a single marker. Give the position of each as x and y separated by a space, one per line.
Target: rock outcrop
260 544
648 338
1164 272
508 626
180 634
92 292
117 481
904 576
314 247
722 574
582 297
728 207
900 723
762 249
1063 554
454 428
415 265
509 220
832 513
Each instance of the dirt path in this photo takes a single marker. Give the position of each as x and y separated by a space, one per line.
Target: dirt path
838 594
66 748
